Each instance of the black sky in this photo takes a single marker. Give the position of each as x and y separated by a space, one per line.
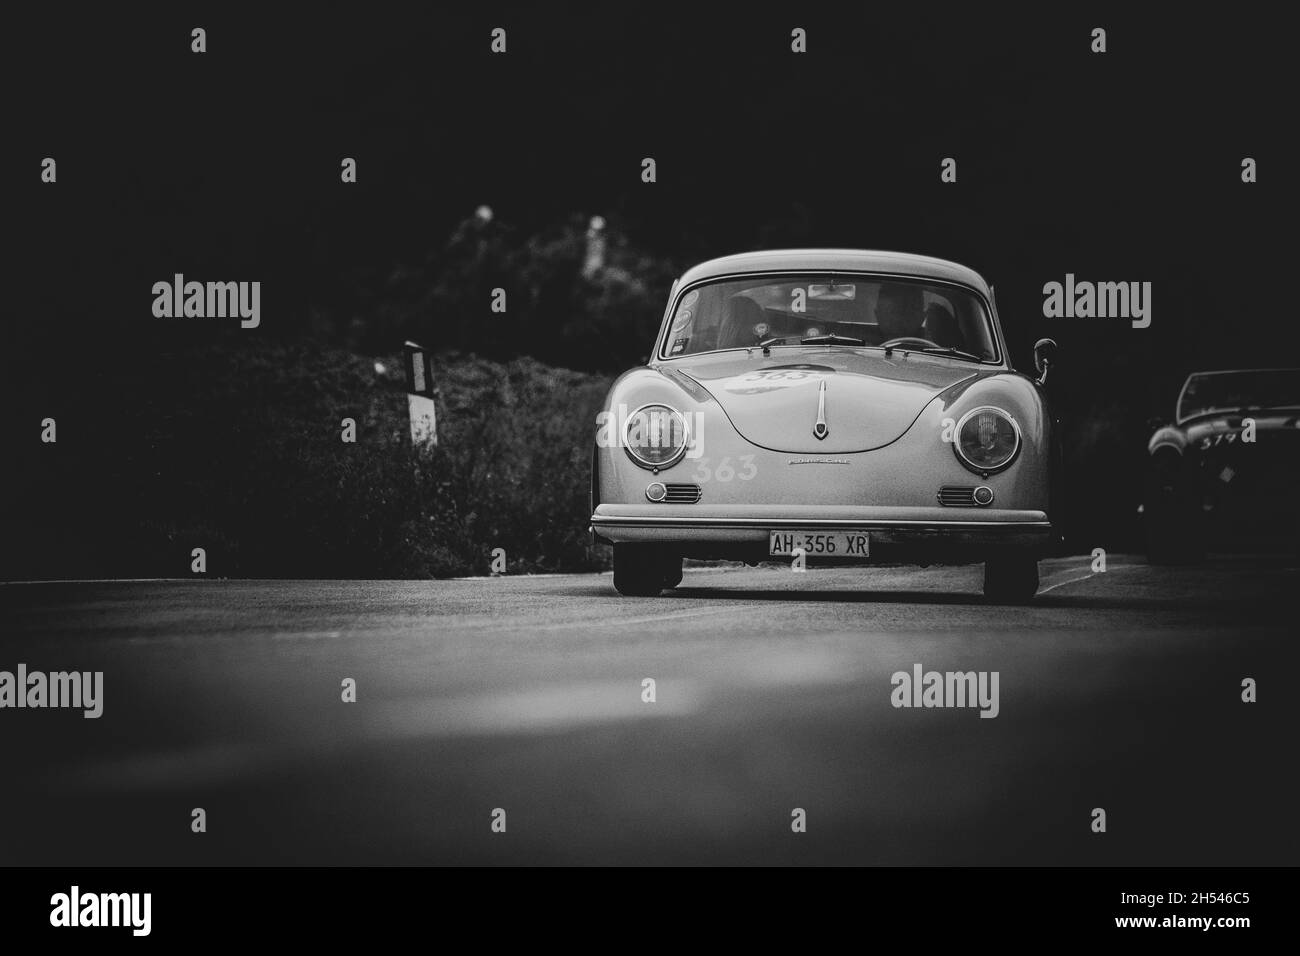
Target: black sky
1122 166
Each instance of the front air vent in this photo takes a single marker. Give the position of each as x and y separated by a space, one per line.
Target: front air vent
682 494
965 496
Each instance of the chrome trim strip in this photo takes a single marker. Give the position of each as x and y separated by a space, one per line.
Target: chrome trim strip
622 521
820 430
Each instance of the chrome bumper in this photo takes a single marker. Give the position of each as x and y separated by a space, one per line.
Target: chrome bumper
1022 529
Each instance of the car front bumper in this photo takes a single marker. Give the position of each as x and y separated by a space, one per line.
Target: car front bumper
746 528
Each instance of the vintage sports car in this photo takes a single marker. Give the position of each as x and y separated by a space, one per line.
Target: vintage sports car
1227 467
827 405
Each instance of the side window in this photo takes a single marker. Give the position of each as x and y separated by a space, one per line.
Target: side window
672 296
689 331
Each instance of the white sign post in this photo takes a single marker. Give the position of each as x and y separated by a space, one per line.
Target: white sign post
419 396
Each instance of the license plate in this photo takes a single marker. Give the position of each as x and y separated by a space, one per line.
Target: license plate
826 544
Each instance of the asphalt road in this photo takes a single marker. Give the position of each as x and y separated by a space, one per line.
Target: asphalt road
1119 690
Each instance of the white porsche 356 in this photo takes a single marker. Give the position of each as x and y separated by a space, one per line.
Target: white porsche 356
827 405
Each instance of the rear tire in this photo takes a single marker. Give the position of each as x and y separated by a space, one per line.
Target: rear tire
641 570
1010 579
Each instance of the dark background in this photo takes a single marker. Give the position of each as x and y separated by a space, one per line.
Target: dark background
178 433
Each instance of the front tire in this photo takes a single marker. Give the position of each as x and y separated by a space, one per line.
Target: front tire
1010 579
642 570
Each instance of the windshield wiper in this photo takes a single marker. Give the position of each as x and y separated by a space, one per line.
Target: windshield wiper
831 338
949 350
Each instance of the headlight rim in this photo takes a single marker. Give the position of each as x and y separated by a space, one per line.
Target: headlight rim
677 456
987 469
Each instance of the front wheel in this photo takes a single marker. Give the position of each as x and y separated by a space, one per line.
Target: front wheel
642 570
1010 579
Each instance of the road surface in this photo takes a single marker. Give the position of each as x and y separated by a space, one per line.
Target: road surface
772 693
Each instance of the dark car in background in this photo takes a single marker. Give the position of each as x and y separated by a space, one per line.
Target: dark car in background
1225 470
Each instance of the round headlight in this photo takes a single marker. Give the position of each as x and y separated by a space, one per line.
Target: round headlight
987 439
656 436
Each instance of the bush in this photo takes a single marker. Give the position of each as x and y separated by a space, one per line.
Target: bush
238 450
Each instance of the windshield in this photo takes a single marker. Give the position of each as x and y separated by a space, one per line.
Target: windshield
831 310
1234 391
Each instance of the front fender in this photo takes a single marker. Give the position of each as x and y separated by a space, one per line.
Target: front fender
1167 437
1027 481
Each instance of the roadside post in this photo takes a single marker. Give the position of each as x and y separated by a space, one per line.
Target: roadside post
419 395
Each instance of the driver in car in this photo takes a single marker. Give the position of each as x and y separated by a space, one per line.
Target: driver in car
900 311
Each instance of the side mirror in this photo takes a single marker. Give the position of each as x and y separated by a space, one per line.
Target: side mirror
1044 357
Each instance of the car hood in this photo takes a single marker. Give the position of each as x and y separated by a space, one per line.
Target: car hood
870 399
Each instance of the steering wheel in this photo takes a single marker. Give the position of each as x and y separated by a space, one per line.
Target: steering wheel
910 342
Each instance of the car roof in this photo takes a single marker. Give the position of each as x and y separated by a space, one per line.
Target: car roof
838 260
1240 371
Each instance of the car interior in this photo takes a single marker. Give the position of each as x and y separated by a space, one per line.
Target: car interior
884 312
